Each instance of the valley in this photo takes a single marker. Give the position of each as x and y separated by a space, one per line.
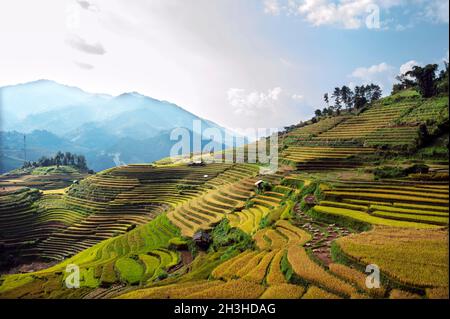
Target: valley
108 130
352 190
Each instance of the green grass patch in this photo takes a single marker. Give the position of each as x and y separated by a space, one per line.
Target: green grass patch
130 270
232 239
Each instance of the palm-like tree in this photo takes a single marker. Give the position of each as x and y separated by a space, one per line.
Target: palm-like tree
326 99
425 78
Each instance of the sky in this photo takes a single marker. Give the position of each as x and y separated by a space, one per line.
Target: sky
240 63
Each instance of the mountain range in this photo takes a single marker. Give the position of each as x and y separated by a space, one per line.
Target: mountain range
108 130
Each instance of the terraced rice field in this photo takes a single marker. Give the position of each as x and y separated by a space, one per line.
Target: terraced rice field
322 158
388 123
307 269
210 208
249 219
263 273
223 199
308 233
406 204
28 217
331 142
306 133
251 274
106 205
392 136
141 263
42 182
356 277
375 118
138 256
425 267
227 200
428 112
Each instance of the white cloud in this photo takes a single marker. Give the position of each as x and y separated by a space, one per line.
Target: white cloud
166 49
272 7
382 74
401 27
354 14
273 108
437 11
250 104
408 66
367 73
349 14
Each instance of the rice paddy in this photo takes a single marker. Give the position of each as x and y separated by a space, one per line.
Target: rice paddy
391 204
308 233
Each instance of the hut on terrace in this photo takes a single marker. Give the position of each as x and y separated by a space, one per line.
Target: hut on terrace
202 239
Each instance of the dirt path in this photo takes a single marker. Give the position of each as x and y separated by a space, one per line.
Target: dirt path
186 258
29 267
323 235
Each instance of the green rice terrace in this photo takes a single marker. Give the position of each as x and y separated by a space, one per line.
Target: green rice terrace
358 188
43 178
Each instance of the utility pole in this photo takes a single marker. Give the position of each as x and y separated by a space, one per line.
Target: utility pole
24 148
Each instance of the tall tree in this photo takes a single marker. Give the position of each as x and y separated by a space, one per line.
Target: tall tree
346 96
66 158
318 113
359 99
337 98
72 159
375 92
58 158
81 162
326 99
425 78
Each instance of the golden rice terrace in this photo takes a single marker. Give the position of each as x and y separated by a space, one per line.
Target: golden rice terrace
351 190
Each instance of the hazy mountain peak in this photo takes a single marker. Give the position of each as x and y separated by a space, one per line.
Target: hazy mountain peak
95 123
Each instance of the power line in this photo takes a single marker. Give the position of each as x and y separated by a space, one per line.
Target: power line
24 148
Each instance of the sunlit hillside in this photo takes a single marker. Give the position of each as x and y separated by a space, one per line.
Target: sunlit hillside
354 189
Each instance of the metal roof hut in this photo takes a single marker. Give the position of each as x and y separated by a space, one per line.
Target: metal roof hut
259 184
197 163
